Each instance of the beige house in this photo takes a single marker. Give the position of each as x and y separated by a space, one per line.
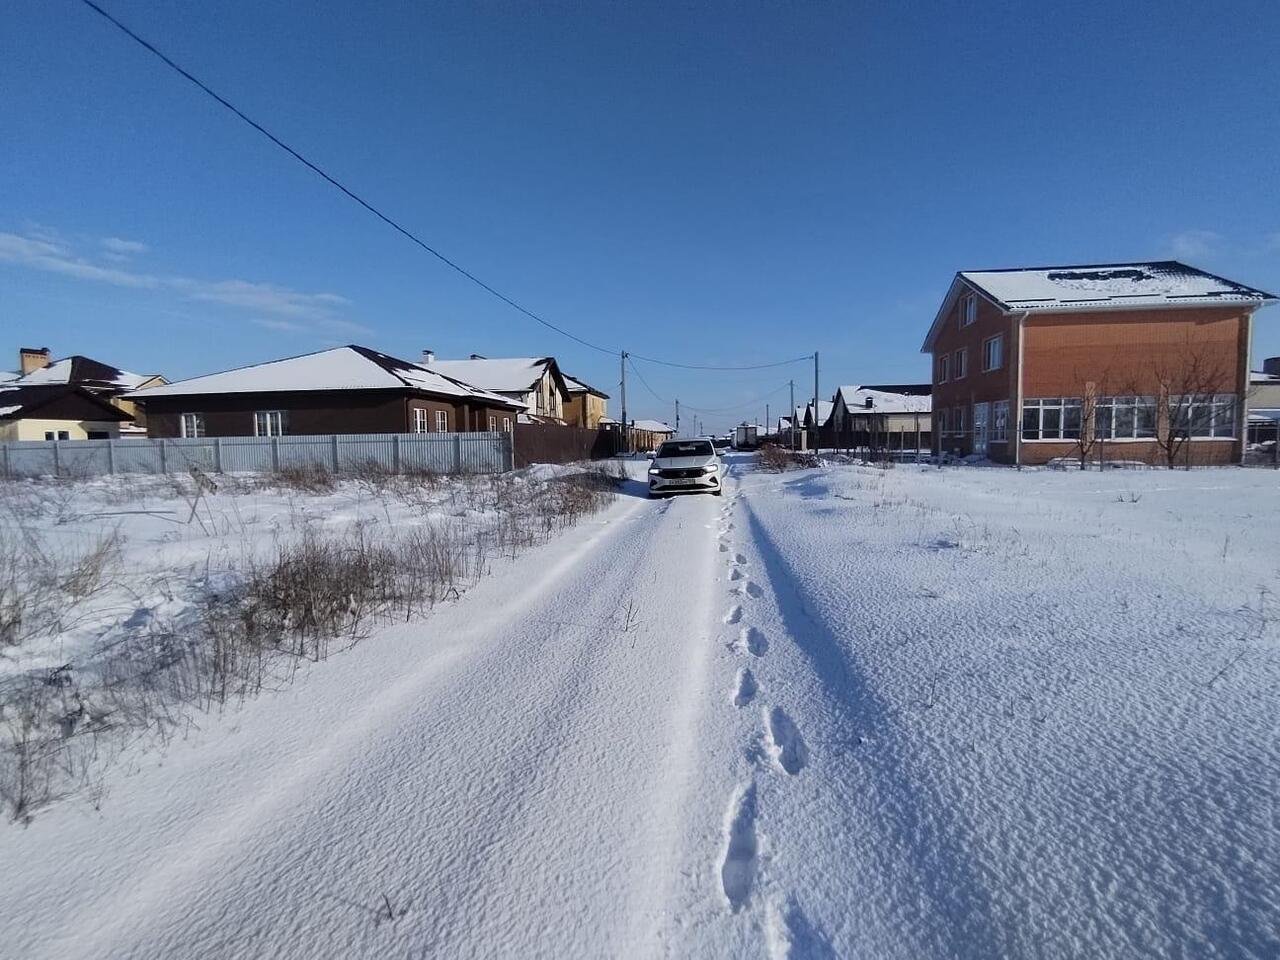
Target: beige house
37 369
56 412
1264 403
586 406
535 382
647 434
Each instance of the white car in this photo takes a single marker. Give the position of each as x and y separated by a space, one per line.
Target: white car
685 466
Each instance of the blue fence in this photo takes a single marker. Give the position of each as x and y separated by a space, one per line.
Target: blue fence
341 453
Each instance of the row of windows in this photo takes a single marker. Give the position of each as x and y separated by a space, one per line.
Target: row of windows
271 423
955 365
1115 418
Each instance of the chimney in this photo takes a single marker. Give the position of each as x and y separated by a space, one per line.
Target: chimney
31 359
869 403
428 356
1271 365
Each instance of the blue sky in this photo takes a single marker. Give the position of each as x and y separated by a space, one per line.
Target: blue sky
722 183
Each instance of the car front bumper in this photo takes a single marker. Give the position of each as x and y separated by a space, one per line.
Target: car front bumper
706 482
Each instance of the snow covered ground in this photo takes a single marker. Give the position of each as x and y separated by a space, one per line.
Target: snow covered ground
836 712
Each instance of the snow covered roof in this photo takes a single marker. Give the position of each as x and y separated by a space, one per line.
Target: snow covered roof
882 401
7 376
1259 376
341 368
652 426
502 374
84 372
825 409
577 386
1102 286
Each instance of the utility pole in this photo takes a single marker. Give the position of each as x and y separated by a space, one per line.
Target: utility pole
678 417
767 421
626 429
791 415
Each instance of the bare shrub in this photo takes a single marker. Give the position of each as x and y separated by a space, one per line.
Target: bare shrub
772 458
305 479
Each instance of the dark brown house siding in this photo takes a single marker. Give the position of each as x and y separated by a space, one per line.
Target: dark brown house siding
315 412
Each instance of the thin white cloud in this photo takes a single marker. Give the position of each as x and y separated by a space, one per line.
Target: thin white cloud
1195 244
122 247
307 312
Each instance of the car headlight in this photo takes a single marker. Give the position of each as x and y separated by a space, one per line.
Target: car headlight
710 468
653 471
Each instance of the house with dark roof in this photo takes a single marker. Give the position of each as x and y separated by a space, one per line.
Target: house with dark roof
57 411
883 417
586 405
344 390
101 380
1104 362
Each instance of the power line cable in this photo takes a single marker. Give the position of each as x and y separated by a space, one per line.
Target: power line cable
657 396
701 366
738 406
389 221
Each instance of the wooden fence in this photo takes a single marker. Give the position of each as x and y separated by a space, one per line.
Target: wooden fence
548 443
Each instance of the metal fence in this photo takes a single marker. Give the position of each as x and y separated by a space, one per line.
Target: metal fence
341 453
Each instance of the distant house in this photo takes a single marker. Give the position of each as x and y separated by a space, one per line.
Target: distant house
534 382
647 434
104 381
882 417
344 390
817 429
56 411
1264 403
1131 361
586 406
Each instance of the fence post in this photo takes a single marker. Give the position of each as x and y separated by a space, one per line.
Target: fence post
57 460
164 457
457 453
111 457
335 453
395 453
509 447
8 470
217 454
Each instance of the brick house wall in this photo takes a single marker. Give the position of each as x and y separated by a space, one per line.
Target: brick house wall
317 412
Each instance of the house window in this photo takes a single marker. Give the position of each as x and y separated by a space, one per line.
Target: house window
999 422
493 424
957 425
993 353
1125 418
960 364
942 421
192 425
1206 416
57 435
419 420
968 310
99 435
506 424
944 368
1052 418
268 423
442 421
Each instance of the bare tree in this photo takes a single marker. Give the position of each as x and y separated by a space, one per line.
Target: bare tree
1185 405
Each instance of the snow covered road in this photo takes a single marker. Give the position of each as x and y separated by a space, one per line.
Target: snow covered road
832 713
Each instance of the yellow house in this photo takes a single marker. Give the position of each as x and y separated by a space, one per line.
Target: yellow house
102 380
56 412
586 405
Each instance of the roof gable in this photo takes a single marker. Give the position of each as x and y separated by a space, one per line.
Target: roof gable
20 401
85 372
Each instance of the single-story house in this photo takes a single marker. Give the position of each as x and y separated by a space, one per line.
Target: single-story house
37 369
344 390
882 417
1140 361
534 382
647 434
586 406
1264 403
56 411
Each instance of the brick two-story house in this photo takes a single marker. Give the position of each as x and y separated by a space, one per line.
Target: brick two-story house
1131 361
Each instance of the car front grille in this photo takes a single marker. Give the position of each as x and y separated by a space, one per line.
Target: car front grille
690 473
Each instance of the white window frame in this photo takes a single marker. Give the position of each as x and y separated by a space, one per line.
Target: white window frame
998 427
944 368
493 424
998 343
968 310
1063 406
274 422
442 421
191 425
958 425
960 364
1211 417
419 420
1106 421
506 424
943 425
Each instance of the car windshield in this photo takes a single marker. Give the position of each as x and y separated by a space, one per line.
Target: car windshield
685 448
